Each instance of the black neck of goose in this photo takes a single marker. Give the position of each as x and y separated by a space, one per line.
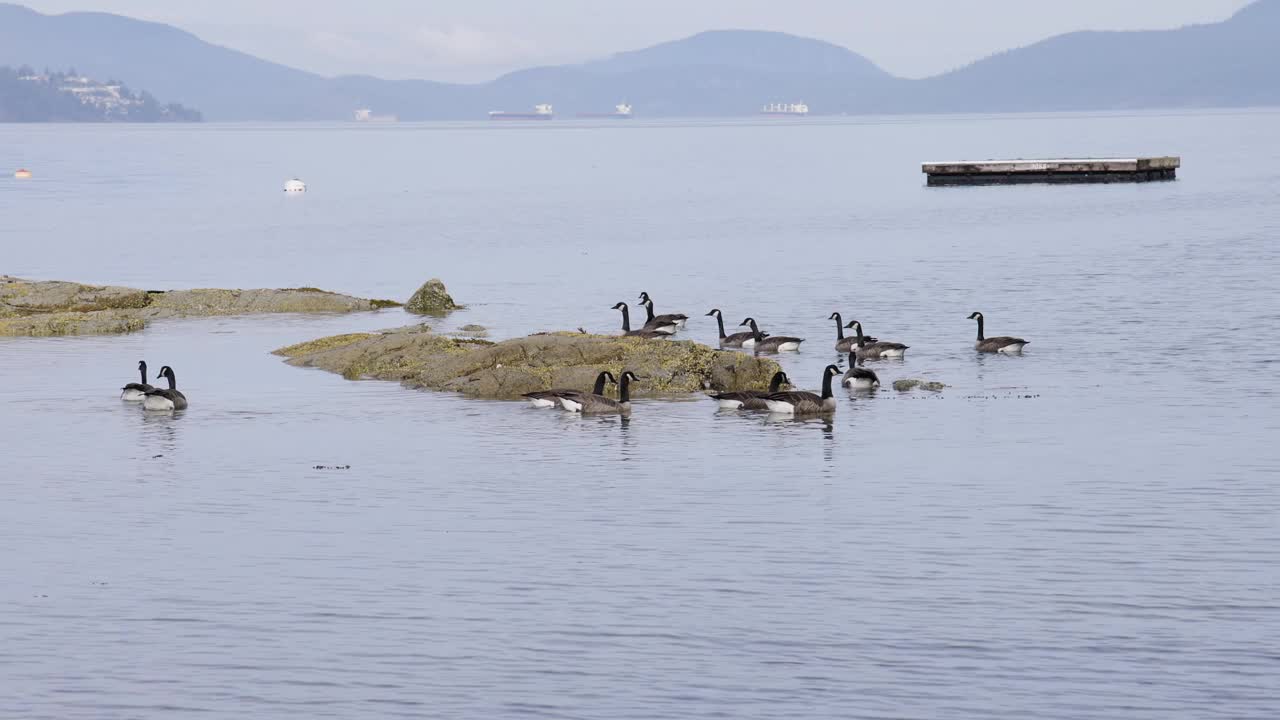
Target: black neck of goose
624 389
173 381
981 337
776 383
648 310
142 370
862 341
853 360
826 385
600 381
626 319
720 322
755 331
839 327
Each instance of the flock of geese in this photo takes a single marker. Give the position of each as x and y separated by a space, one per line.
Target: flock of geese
774 400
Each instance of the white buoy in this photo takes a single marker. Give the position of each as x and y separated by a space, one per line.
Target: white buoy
23 174
295 186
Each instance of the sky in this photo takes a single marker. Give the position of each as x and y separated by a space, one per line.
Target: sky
476 40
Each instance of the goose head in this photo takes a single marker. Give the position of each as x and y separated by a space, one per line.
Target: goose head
620 306
835 316
714 313
644 297
853 325
748 321
833 371
976 316
609 378
646 303
629 376
142 365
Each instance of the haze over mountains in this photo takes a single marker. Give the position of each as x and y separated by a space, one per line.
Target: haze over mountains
721 73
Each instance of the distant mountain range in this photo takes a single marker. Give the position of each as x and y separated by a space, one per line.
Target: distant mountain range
720 73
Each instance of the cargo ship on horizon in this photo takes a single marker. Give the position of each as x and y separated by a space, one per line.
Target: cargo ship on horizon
785 110
621 111
540 112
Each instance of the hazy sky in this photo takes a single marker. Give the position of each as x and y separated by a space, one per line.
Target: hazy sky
477 39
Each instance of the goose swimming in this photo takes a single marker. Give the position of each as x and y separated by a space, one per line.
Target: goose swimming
878 349
845 344
752 399
859 378
641 333
135 392
160 399
1007 345
800 402
777 343
551 398
736 340
676 319
596 404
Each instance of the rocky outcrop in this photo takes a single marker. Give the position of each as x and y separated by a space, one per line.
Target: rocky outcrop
43 308
431 299
419 358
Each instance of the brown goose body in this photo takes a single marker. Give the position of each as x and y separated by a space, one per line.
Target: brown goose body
875 350
551 398
735 340
771 343
1003 344
669 323
752 399
806 403
596 404
641 333
845 344
165 399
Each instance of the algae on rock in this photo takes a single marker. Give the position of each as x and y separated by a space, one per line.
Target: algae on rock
508 369
431 299
909 384
44 308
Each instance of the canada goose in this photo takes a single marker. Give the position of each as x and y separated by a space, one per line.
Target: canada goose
677 319
595 404
752 399
171 399
742 339
135 392
550 398
878 349
845 344
859 378
777 343
641 333
1007 345
806 403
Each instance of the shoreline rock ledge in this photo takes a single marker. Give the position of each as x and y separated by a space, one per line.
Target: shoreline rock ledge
419 358
53 307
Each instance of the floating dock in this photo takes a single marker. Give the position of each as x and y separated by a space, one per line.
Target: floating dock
1079 170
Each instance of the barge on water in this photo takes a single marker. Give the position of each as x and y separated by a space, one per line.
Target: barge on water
1080 170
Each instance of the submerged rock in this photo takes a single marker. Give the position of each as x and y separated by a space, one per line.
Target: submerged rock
419 358
98 322
431 299
909 384
41 308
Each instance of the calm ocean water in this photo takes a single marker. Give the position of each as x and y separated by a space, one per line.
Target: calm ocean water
1090 530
